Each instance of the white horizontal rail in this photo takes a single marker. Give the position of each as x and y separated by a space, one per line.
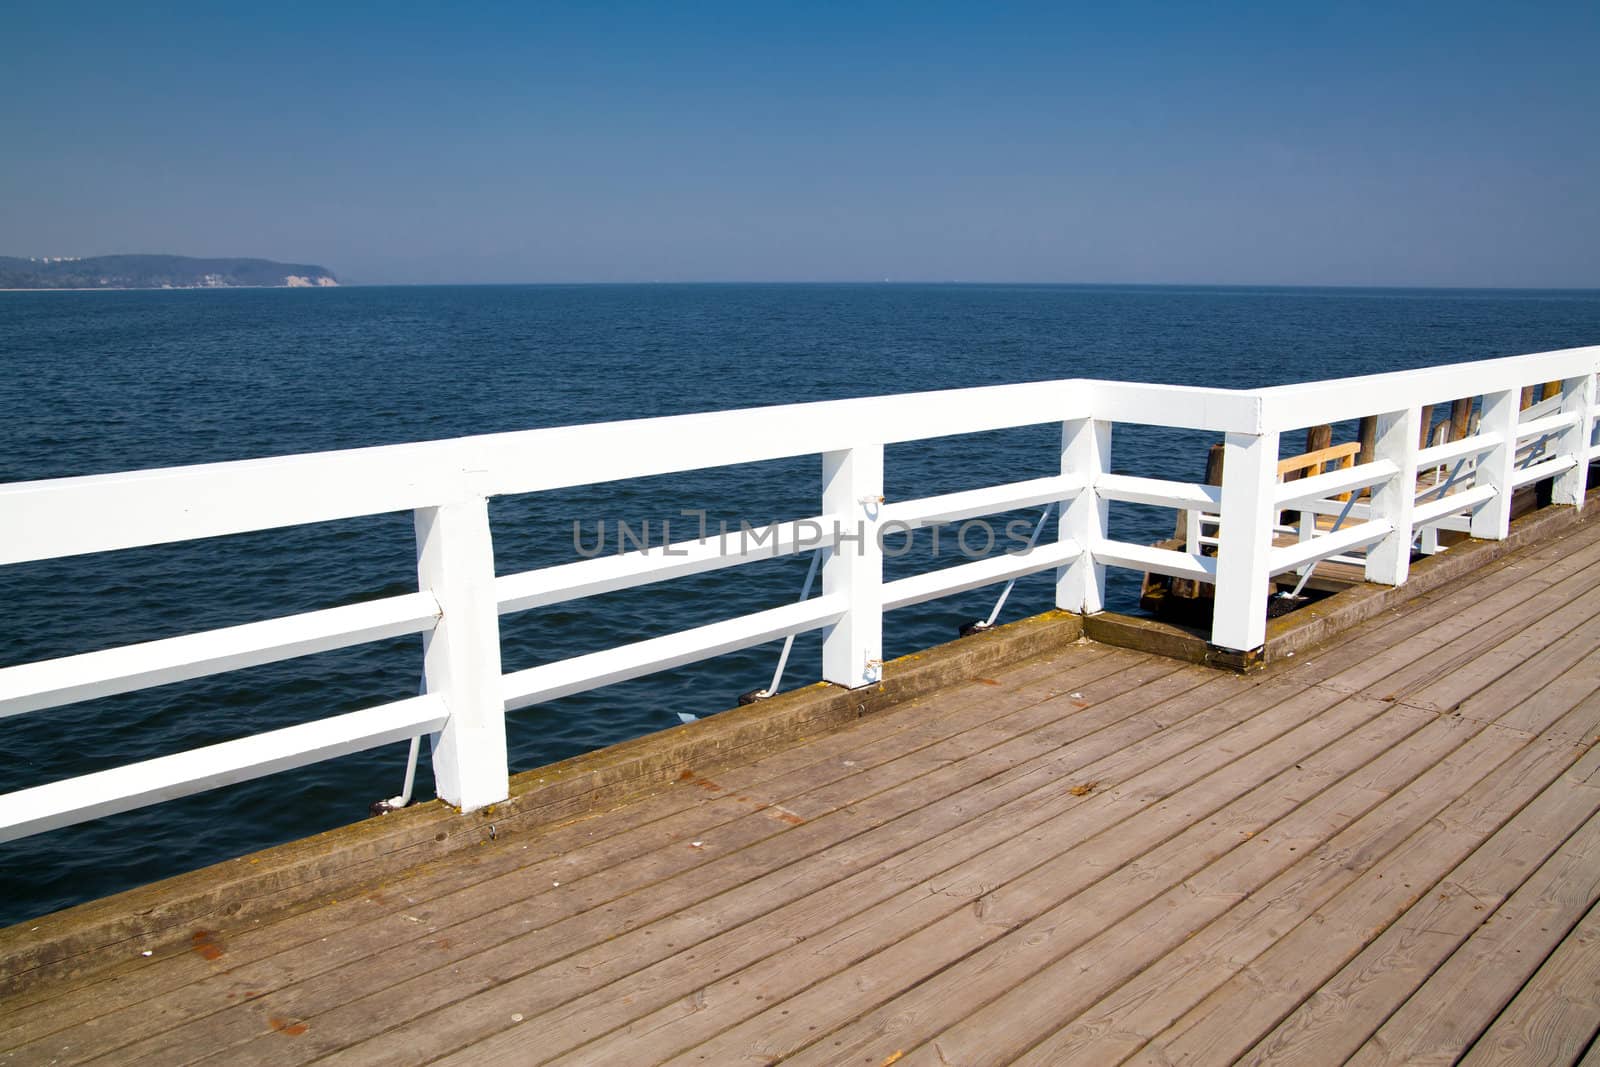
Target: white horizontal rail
1475 445
1539 409
1436 511
1156 560
1180 406
610 573
972 503
90 796
1320 486
1360 512
1548 425
581 673
1539 471
1288 407
32 686
1291 557
920 588
1157 491
97 513
1352 510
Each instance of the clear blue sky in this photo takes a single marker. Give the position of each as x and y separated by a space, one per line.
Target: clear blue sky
1278 143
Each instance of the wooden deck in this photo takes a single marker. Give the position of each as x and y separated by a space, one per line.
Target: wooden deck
1385 851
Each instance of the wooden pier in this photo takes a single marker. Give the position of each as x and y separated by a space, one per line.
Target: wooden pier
1382 849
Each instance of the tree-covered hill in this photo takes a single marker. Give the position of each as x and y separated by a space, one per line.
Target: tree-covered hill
156 272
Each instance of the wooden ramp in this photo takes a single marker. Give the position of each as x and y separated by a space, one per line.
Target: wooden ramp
1383 851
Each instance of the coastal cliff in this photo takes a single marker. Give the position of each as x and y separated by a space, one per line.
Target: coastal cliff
158 272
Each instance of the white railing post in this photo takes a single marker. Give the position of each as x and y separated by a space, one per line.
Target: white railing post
1086 451
1497 466
1395 439
1249 512
852 491
1577 398
461 656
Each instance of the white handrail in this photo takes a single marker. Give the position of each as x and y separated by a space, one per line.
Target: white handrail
34 686
90 796
447 484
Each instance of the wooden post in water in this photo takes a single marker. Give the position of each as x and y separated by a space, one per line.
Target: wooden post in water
1460 417
1367 437
1318 438
1425 426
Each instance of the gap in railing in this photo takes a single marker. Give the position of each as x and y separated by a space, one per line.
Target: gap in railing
1147 451
536 529
559 729
561 631
62 607
960 462
586 721
93 735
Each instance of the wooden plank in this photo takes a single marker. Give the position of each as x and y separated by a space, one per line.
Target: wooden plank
1252 997
1442 1018
690 808
1131 780
1461 417
1463 637
1314 460
1217 1028
516 911
1082 942
883 953
791 883
868 743
234 895
1274 886
1526 855
749 811
1555 1016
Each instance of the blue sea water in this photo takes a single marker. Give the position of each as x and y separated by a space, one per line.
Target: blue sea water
107 381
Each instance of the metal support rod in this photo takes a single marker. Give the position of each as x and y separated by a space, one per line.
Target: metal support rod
1337 522
383 807
788 642
1038 529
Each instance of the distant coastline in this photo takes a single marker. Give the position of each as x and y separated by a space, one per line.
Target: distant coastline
157 272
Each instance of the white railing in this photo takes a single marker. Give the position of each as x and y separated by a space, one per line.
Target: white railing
447 485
